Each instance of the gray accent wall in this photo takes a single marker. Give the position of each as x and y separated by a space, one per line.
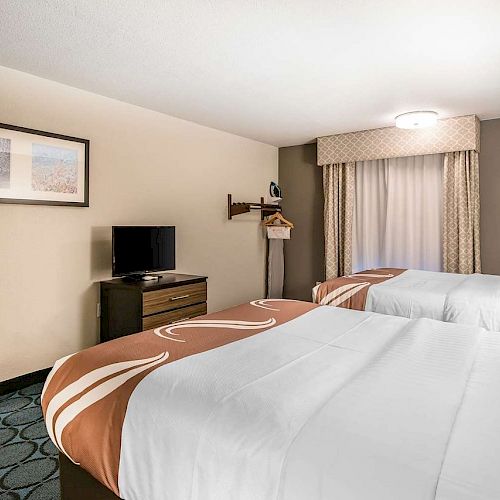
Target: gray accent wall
489 186
301 182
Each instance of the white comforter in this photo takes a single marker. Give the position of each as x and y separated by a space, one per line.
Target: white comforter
336 404
456 298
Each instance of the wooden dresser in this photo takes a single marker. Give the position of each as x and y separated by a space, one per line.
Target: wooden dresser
131 307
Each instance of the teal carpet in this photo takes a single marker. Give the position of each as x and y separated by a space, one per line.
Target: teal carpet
29 468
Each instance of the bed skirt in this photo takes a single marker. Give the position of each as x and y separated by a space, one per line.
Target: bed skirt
77 484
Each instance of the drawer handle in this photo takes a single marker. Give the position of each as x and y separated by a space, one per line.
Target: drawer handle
179 320
180 297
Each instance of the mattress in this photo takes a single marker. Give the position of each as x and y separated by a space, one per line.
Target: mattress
472 299
286 400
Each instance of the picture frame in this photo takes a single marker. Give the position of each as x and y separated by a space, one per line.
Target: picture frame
43 168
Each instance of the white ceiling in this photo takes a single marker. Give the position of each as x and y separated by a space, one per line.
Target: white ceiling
282 72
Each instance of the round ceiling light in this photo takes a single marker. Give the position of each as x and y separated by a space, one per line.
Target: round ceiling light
417 119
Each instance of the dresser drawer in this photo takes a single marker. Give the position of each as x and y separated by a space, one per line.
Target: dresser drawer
171 298
166 318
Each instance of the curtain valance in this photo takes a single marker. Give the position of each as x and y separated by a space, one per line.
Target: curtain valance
452 134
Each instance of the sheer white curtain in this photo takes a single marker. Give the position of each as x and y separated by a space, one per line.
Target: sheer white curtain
398 213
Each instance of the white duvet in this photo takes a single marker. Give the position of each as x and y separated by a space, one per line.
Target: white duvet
472 299
335 404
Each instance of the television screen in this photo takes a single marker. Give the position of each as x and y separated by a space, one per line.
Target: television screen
139 249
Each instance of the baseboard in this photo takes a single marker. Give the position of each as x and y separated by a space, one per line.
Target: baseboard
14 384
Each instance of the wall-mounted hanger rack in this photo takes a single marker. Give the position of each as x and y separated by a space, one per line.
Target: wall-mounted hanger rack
239 208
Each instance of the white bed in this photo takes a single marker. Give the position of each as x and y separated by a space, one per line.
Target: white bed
334 403
472 299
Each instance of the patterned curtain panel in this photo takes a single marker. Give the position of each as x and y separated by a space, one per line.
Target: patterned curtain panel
461 250
338 186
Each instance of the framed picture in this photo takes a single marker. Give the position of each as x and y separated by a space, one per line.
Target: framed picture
41 168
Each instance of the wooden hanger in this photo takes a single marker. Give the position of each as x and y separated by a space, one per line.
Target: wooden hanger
278 216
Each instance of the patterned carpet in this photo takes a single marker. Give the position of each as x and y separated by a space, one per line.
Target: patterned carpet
29 467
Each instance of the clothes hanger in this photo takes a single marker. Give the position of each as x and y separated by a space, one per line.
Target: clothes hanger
278 216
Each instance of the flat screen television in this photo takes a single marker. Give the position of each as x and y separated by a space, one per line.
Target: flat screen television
138 250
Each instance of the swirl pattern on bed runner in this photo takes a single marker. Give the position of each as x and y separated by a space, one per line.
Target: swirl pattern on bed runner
86 395
351 291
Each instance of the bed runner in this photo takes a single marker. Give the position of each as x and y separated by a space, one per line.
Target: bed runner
351 291
86 395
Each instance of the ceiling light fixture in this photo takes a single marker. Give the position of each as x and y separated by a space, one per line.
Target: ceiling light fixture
417 119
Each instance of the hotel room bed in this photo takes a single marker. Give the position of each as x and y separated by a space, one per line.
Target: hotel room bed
469 299
286 400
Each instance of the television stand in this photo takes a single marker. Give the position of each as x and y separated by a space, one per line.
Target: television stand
133 306
134 278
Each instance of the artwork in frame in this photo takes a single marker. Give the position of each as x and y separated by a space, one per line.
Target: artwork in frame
43 168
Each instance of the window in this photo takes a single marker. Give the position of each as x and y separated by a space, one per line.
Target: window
398 213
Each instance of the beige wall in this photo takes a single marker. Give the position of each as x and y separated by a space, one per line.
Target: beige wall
489 185
301 181
145 168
